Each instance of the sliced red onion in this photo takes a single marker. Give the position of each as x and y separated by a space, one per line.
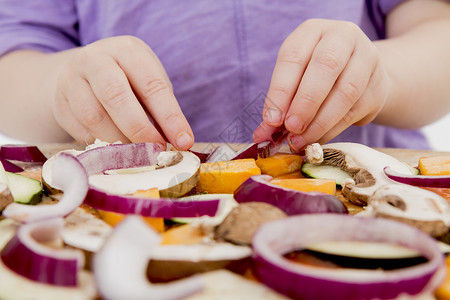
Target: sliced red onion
299 281
249 151
23 153
120 266
418 180
160 208
122 156
254 150
9 166
25 255
69 176
201 155
119 156
221 153
259 189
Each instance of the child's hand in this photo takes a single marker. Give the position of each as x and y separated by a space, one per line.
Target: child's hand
328 76
109 90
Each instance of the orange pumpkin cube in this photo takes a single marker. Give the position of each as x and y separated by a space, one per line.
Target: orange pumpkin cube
435 165
280 164
327 186
226 176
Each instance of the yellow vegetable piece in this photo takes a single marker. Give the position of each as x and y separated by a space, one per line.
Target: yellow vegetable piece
294 175
443 291
185 234
308 185
280 164
113 218
226 176
435 165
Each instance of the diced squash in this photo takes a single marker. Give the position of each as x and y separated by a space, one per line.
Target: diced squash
113 218
280 164
185 234
150 193
435 165
226 176
308 185
443 291
294 175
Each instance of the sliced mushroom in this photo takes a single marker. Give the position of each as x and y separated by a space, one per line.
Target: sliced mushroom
415 206
384 197
244 220
5 196
364 164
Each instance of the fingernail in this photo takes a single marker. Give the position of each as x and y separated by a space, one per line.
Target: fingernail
296 142
184 141
272 116
294 124
160 147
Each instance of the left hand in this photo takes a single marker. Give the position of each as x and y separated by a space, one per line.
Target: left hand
328 76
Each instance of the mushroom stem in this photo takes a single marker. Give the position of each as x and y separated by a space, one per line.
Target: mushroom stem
383 196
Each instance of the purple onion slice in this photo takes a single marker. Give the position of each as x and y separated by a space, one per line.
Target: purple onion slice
259 189
159 208
25 255
9 166
69 176
120 266
418 180
300 281
23 153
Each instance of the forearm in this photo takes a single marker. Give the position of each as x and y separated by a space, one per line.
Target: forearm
27 89
418 64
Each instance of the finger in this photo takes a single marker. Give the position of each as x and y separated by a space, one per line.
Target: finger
68 122
111 87
342 105
358 115
263 133
152 86
90 113
291 63
327 62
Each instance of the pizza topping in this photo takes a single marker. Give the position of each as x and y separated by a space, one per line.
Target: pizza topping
314 154
169 158
384 197
254 150
243 221
171 262
70 177
364 164
22 153
9 166
147 207
280 164
275 239
172 181
120 266
27 255
5 194
418 207
259 189
433 181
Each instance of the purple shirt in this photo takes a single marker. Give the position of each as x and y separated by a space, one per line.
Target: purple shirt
219 55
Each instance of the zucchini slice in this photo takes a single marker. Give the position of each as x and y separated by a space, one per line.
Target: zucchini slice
24 190
325 172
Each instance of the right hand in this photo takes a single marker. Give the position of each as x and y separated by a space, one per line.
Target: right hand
110 89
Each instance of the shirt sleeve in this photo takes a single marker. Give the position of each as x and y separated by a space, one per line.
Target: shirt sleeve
44 25
378 10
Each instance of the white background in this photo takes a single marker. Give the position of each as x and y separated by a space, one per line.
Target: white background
438 134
